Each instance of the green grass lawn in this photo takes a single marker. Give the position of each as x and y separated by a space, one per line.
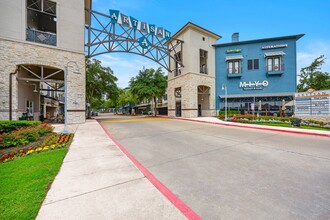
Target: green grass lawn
24 183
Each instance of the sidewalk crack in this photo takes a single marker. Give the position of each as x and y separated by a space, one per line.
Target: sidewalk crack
96 190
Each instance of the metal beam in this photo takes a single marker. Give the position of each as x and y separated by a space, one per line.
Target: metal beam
38 80
103 37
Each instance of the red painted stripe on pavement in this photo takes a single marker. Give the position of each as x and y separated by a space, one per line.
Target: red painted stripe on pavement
188 212
257 128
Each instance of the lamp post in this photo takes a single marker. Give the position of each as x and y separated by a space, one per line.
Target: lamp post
75 70
224 87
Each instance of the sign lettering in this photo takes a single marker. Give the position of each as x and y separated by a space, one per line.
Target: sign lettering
274 46
253 85
128 21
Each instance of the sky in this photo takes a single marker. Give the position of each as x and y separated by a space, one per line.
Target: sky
253 19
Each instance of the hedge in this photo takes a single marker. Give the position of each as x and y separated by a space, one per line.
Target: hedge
8 126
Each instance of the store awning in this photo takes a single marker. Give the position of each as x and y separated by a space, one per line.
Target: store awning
237 57
291 103
277 53
257 95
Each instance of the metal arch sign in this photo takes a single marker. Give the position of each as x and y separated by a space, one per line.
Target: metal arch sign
128 21
117 32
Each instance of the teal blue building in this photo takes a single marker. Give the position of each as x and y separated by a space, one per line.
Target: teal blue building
259 75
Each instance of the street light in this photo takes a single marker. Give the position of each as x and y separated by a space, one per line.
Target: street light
75 70
224 87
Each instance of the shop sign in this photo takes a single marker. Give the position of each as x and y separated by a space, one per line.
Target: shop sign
148 29
234 51
253 85
274 46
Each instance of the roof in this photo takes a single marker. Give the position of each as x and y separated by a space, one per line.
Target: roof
297 37
198 28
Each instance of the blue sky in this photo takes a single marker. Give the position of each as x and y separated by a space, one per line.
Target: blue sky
253 19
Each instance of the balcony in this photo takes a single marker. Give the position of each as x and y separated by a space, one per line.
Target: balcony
275 70
41 37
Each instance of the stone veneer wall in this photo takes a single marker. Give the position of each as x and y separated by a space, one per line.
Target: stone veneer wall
14 53
316 118
189 83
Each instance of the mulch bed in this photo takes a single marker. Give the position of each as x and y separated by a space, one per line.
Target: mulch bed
35 144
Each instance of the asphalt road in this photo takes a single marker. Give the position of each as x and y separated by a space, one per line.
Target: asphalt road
232 173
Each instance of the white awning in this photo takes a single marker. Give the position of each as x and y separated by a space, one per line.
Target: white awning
238 57
277 53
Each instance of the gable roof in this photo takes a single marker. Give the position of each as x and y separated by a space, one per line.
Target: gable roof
198 28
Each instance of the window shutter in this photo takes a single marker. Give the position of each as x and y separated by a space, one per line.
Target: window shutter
249 64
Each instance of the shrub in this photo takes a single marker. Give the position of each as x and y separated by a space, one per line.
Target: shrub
7 126
23 136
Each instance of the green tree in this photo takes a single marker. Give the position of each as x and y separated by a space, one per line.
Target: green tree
149 85
126 97
312 77
100 81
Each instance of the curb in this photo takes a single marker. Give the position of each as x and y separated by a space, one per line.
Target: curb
184 209
252 127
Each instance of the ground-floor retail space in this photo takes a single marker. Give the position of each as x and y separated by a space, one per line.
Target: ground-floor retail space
263 105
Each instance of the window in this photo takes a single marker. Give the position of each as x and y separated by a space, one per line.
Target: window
29 108
178 63
234 66
203 61
253 64
274 64
41 21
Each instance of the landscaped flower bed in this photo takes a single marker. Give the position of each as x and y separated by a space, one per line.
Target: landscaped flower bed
53 142
272 120
24 135
7 126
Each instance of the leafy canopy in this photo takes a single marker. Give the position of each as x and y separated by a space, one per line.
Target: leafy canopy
312 77
100 81
148 85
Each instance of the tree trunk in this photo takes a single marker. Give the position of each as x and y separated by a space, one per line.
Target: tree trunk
155 107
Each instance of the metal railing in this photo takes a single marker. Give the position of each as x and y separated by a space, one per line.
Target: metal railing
203 69
275 68
41 37
234 71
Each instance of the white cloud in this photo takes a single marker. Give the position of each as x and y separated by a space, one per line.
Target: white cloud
311 51
126 66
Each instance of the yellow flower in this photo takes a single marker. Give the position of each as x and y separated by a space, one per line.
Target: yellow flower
45 148
53 146
39 149
29 152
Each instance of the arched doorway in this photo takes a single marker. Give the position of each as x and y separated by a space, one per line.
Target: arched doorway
203 100
40 93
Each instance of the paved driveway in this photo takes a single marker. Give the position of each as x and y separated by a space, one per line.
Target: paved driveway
232 173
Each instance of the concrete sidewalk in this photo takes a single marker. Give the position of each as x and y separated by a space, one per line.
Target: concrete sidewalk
214 120
97 181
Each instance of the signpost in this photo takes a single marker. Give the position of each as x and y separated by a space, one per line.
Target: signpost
312 103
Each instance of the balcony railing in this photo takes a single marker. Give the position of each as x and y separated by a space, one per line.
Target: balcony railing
233 71
275 68
203 69
41 37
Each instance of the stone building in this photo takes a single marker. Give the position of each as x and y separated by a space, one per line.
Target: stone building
38 39
191 88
